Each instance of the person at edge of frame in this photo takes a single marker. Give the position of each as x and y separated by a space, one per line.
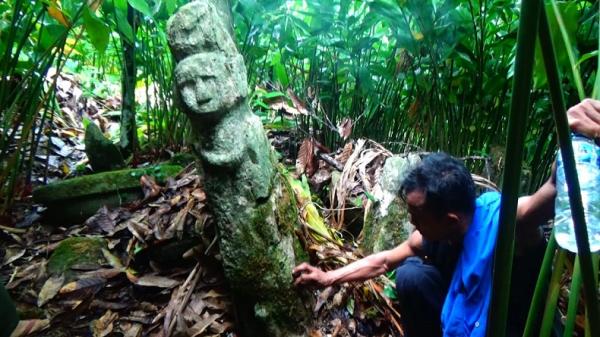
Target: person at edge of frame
444 268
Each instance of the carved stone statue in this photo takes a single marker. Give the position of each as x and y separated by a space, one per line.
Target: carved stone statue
254 212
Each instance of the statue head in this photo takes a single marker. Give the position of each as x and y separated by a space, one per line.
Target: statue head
197 28
210 84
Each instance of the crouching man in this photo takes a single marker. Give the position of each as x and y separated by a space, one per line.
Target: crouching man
444 268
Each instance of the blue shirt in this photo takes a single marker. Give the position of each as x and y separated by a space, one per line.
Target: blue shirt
467 303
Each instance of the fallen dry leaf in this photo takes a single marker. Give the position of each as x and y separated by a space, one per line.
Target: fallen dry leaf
315 333
30 326
50 289
103 326
322 299
155 281
101 221
12 255
306 162
114 261
345 128
131 329
300 107
90 283
150 187
201 326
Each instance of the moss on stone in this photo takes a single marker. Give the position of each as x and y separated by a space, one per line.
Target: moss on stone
287 213
76 250
99 183
387 223
74 200
183 159
102 153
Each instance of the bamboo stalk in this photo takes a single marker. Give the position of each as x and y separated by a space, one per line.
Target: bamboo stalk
541 287
519 109
573 300
553 292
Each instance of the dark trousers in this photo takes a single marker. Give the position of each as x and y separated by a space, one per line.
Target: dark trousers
421 292
422 289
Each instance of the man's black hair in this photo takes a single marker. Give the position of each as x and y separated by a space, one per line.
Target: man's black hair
446 183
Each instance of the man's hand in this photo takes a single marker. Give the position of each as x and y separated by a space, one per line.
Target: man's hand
584 118
305 274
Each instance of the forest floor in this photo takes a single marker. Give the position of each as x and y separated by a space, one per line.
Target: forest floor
138 286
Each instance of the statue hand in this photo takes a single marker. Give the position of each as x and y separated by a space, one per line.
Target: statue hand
307 275
584 118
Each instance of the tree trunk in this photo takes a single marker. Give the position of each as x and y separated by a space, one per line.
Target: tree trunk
128 139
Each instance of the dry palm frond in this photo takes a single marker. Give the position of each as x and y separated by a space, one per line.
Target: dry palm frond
308 214
359 174
484 182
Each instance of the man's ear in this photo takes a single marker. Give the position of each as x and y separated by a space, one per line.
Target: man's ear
453 218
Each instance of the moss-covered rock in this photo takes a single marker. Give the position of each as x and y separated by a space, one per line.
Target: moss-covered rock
248 198
74 200
183 159
102 153
387 223
74 251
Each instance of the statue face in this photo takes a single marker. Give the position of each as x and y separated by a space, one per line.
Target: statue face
210 83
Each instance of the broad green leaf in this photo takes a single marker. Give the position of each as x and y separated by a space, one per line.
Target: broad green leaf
50 35
108 6
97 30
390 292
123 25
142 6
121 4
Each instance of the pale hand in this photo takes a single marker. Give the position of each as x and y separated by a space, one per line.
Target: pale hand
584 118
305 274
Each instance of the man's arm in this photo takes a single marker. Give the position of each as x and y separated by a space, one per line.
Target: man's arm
533 211
536 209
361 270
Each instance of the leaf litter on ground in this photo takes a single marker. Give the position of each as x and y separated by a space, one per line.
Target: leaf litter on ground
135 292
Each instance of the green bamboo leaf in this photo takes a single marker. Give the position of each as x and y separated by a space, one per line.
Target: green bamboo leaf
274 94
279 70
97 30
141 6
586 57
568 46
